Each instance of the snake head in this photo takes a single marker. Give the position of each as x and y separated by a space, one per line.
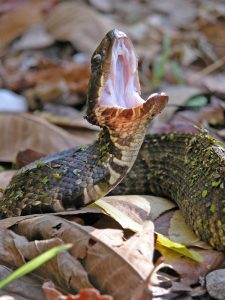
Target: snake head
114 87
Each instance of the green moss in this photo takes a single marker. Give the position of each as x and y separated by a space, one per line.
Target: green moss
216 183
76 172
45 180
12 194
81 149
57 176
39 164
193 163
44 194
219 224
212 208
186 160
204 193
64 171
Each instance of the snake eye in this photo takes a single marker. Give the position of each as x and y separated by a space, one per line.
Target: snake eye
97 59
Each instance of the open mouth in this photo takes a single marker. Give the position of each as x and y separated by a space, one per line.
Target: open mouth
122 87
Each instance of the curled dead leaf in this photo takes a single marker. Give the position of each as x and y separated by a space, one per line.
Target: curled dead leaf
79 24
116 270
23 131
16 22
51 293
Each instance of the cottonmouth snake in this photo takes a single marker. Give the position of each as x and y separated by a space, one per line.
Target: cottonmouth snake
188 168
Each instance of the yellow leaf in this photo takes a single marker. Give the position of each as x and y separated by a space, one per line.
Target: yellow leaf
116 214
177 247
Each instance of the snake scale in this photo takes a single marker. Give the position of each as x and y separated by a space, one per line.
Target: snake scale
187 168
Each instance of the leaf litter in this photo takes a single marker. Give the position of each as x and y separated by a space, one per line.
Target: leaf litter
181 53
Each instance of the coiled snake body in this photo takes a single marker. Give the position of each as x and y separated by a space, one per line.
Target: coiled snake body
187 168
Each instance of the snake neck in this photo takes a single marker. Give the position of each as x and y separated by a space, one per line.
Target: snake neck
119 148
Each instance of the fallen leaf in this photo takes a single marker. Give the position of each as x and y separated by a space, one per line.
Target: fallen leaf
123 214
79 24
178 95
215 34
21 289
178 13
5 178
190 271
180 232
26 131
15 22
51 293
15 250
65 116
11 5
177 247
215 83
27 156
125 221
129 211
115 273
27 41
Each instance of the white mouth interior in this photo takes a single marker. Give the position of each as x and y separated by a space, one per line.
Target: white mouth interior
122 86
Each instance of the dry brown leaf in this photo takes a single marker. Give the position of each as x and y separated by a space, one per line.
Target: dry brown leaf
212 113
49 80
21 289
27 41
79 24
180 232
136 207
27 156
26 131
172 224
106 6
5 178
215 34
190 271
66 270
112 273
178 13
14 23
215 83
51 293
178 95
11 5
9 253
66 116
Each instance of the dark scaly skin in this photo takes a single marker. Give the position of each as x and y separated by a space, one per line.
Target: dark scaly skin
190 169
76 177
187 168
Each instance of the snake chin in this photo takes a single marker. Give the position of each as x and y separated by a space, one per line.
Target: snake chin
122 87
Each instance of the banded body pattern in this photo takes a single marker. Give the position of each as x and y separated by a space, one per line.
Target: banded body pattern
75 177
189 169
